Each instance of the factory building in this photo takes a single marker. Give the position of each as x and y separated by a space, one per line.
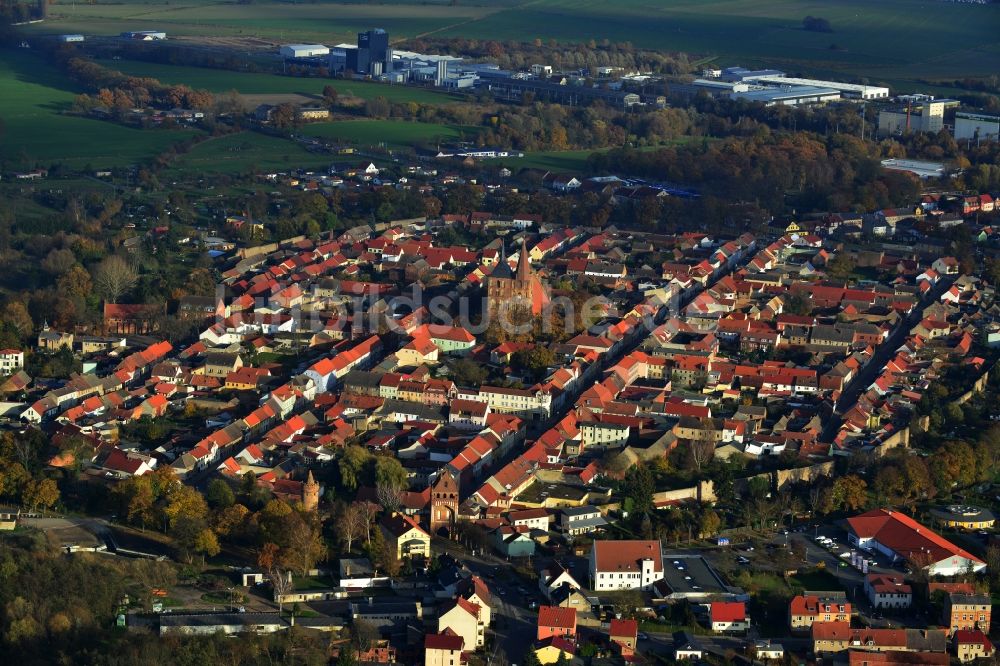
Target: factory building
741 74
847 90
765 94
774 77
443 71
789 95
976 126
920 117
303 50
511 88
372 56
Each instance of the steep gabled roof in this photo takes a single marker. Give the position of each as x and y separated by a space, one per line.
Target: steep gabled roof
556 616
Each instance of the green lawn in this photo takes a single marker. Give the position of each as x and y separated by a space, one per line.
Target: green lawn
389 133
220 80
246 152
35 132
571 161
815 580
890 40
306 583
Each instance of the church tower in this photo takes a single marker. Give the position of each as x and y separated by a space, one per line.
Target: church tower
444 502
508 290
310 494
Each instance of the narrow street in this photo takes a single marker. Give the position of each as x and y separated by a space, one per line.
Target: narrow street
514 624
883 354
512 620
683 299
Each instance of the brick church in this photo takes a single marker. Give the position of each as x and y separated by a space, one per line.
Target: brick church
508 290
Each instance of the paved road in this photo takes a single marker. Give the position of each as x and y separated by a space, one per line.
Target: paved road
883 354
513 621
852 580
663 644
631 345
514 628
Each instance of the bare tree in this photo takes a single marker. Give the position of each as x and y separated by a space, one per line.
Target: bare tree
702 451
351 525
365 634
114 277
369 511
389 497
281 582
25 449
815 499
764 513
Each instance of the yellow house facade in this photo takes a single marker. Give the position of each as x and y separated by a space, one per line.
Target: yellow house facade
405 537
554 650
463 618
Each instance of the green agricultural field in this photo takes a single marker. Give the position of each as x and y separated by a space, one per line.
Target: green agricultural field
35 132
389 133
246 152
884 40
324 22
219 80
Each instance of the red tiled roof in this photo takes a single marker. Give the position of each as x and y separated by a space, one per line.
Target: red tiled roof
728 611
896 658
951 588
527 514
973 637
626 555
556 616
560 642
118 460
445 641
469 607
474 585
400 524
905 536
888 584
623 628
831 631
811 605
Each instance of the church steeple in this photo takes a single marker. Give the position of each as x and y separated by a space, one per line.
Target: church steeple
502 269
523 265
